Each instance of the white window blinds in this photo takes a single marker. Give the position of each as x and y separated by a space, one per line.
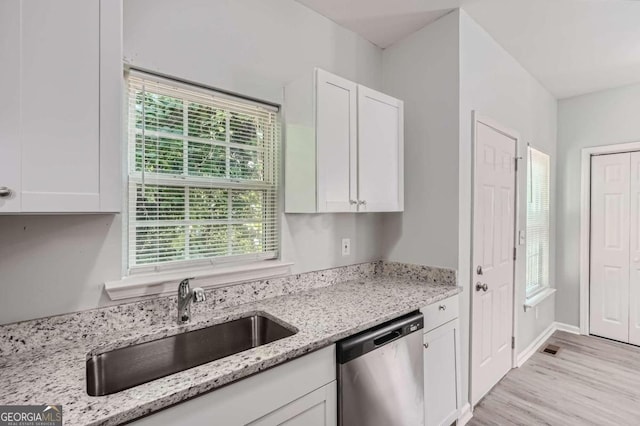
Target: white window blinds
537 221
203 172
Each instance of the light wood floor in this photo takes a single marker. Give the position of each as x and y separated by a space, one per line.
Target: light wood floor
591 381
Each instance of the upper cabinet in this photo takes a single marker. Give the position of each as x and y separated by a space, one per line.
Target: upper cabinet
344 147
60 109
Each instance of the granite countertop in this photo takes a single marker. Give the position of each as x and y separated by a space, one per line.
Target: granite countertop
53 372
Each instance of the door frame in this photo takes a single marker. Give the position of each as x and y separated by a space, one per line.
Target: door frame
585 222
512 134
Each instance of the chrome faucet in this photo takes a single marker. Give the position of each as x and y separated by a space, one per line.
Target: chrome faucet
185 296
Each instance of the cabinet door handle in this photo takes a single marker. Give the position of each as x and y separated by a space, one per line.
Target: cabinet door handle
362 202
426 345
352 202
442 307
5 192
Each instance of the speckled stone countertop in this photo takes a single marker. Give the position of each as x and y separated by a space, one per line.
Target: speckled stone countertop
43 361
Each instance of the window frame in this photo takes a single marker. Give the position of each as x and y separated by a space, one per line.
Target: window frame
250 266
543 288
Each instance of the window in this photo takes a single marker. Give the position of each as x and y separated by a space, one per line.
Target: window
203 172
537 221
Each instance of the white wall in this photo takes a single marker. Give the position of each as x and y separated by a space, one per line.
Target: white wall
444 72
601 118
497 86
422 70
57 264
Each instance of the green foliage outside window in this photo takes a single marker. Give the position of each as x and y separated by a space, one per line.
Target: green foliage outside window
180 138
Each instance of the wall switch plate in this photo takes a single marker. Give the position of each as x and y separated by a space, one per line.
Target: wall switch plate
346 246
522 238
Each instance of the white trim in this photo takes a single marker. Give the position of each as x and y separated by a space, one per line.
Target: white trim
585 221
538 297
512 134
166 282
573 329
544 336
465 415
536 344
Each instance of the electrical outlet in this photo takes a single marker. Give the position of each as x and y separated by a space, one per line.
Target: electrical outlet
346 246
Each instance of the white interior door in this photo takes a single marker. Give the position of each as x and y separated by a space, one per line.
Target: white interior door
380 151
336 127
609 293
493 248
634 265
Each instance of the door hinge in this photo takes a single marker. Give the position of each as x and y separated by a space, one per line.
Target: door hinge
513 342
514 253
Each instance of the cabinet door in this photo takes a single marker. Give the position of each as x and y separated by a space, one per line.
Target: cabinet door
336 104
9 102
59 105
380 152
318 408
441 385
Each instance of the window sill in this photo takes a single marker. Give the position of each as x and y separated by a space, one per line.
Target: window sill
537 298
167 282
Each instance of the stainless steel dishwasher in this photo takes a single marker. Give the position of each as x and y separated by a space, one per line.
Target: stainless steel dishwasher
381 374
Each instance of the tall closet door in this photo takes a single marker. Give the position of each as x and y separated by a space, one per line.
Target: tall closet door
609 293
634 264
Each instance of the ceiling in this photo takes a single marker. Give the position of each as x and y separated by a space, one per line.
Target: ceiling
382 22
571 46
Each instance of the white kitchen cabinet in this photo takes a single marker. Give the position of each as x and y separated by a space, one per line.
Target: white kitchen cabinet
60 129
380 151
301 392
343 147
442 393
318 408
336 143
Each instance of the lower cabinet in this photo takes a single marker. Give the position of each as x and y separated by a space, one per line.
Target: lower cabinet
302 392
442 368
318 408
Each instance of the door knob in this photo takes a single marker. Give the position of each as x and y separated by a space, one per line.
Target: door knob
483 287
479 270
5 192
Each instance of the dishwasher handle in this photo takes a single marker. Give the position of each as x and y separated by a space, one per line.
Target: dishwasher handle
376 337
388 338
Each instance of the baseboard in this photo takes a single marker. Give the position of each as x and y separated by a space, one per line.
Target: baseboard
568 328
535 345
465 415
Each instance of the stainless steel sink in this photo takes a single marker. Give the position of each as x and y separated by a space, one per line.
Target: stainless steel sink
123 368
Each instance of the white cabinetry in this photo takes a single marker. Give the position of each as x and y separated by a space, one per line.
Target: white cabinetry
301 392
60 108
380 151
344 147
441 363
